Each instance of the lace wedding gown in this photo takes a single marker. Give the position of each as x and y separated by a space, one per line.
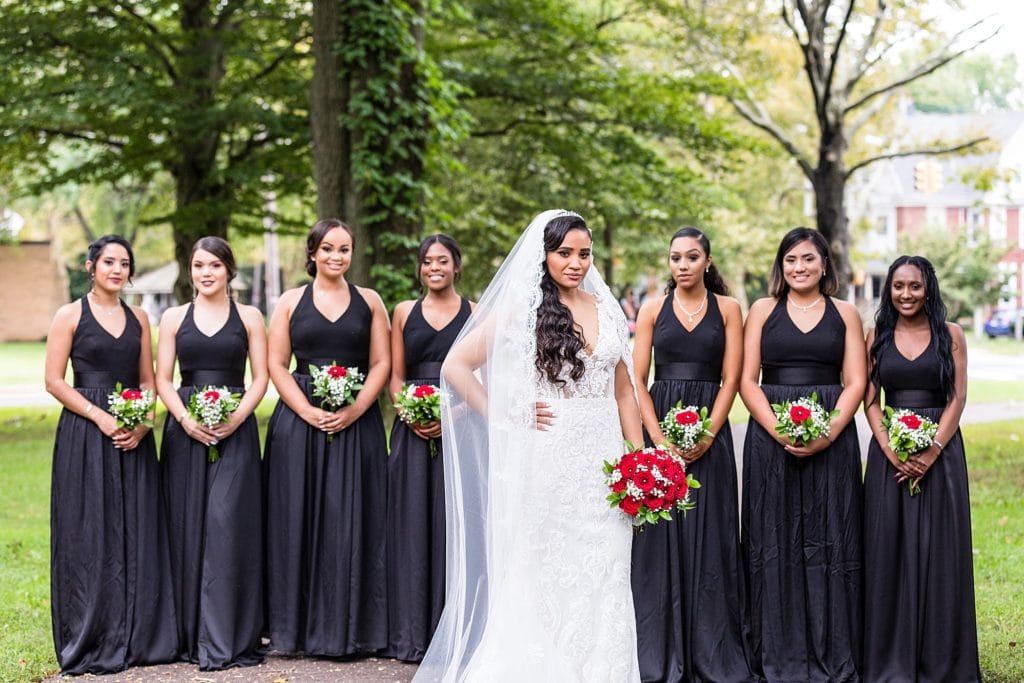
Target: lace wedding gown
561 608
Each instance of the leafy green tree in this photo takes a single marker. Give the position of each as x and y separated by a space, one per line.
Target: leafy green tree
975 82
969 278
842 50
203 91
578 108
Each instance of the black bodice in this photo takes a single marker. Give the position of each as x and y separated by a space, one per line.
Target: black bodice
318 341
911 383
426 347
101 360
215 359
818 353
689 354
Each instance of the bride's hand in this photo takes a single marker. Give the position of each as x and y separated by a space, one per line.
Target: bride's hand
543 415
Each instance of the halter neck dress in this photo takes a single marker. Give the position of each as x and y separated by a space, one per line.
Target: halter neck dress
802 517
326 503
416 519
215 509
111 599
687 577
920 622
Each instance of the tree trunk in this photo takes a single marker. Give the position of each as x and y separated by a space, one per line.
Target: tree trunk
336 193
201 208
830 204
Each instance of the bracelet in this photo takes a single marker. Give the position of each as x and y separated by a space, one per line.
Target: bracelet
184 414
936 442
88 408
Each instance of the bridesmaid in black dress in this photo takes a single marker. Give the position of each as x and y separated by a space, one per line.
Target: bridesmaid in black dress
919 612
326 500
802 505
215 509
110 586
422 331
688 587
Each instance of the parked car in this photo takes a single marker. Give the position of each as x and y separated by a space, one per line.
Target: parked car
1001 322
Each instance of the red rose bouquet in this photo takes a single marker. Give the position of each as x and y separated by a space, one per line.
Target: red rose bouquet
211 406
909 433
131 407
647 484
336 386
420 404
686 426
803 420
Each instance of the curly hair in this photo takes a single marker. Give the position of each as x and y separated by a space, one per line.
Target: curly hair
712 278
934 309
559 338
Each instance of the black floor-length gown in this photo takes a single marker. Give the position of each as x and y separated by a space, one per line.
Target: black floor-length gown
802 517
215 510
111 598
326 503
416 520
687 577
920 622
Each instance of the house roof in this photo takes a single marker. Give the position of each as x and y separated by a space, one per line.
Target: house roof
161 281
1005 130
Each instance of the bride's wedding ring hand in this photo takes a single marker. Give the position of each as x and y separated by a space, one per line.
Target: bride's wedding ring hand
544 416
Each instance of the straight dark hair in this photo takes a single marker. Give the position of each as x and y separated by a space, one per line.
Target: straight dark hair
934 309
712 278
316 236
829 283
446 241
559 338
219 248
96 249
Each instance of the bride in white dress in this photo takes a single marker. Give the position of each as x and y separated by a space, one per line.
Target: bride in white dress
538 393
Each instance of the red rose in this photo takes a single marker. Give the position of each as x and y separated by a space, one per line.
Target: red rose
644 481
671 493
630 506
799 414
131 394
211 396
687 417
911 421
654 502
619 486
423 390
628 467
682 488
647 459
336 371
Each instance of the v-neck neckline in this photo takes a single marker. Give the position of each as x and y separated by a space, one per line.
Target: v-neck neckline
103 327
437 330
312 301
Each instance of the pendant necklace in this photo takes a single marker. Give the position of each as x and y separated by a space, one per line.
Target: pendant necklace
105 309
804 309
690 315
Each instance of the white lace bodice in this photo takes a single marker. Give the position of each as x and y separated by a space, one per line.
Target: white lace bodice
598 380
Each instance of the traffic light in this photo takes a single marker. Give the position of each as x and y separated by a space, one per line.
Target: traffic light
927 176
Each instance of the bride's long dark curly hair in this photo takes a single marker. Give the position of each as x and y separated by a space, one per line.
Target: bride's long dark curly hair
934 310
559 338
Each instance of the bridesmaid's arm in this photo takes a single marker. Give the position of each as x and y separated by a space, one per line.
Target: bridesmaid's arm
643 341
279 356
732 370
950 421
465 356
398 347
750 388
629 411
380 363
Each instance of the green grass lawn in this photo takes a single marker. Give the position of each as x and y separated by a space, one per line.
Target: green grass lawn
995 457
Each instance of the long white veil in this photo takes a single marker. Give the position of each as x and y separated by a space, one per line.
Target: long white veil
487 418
